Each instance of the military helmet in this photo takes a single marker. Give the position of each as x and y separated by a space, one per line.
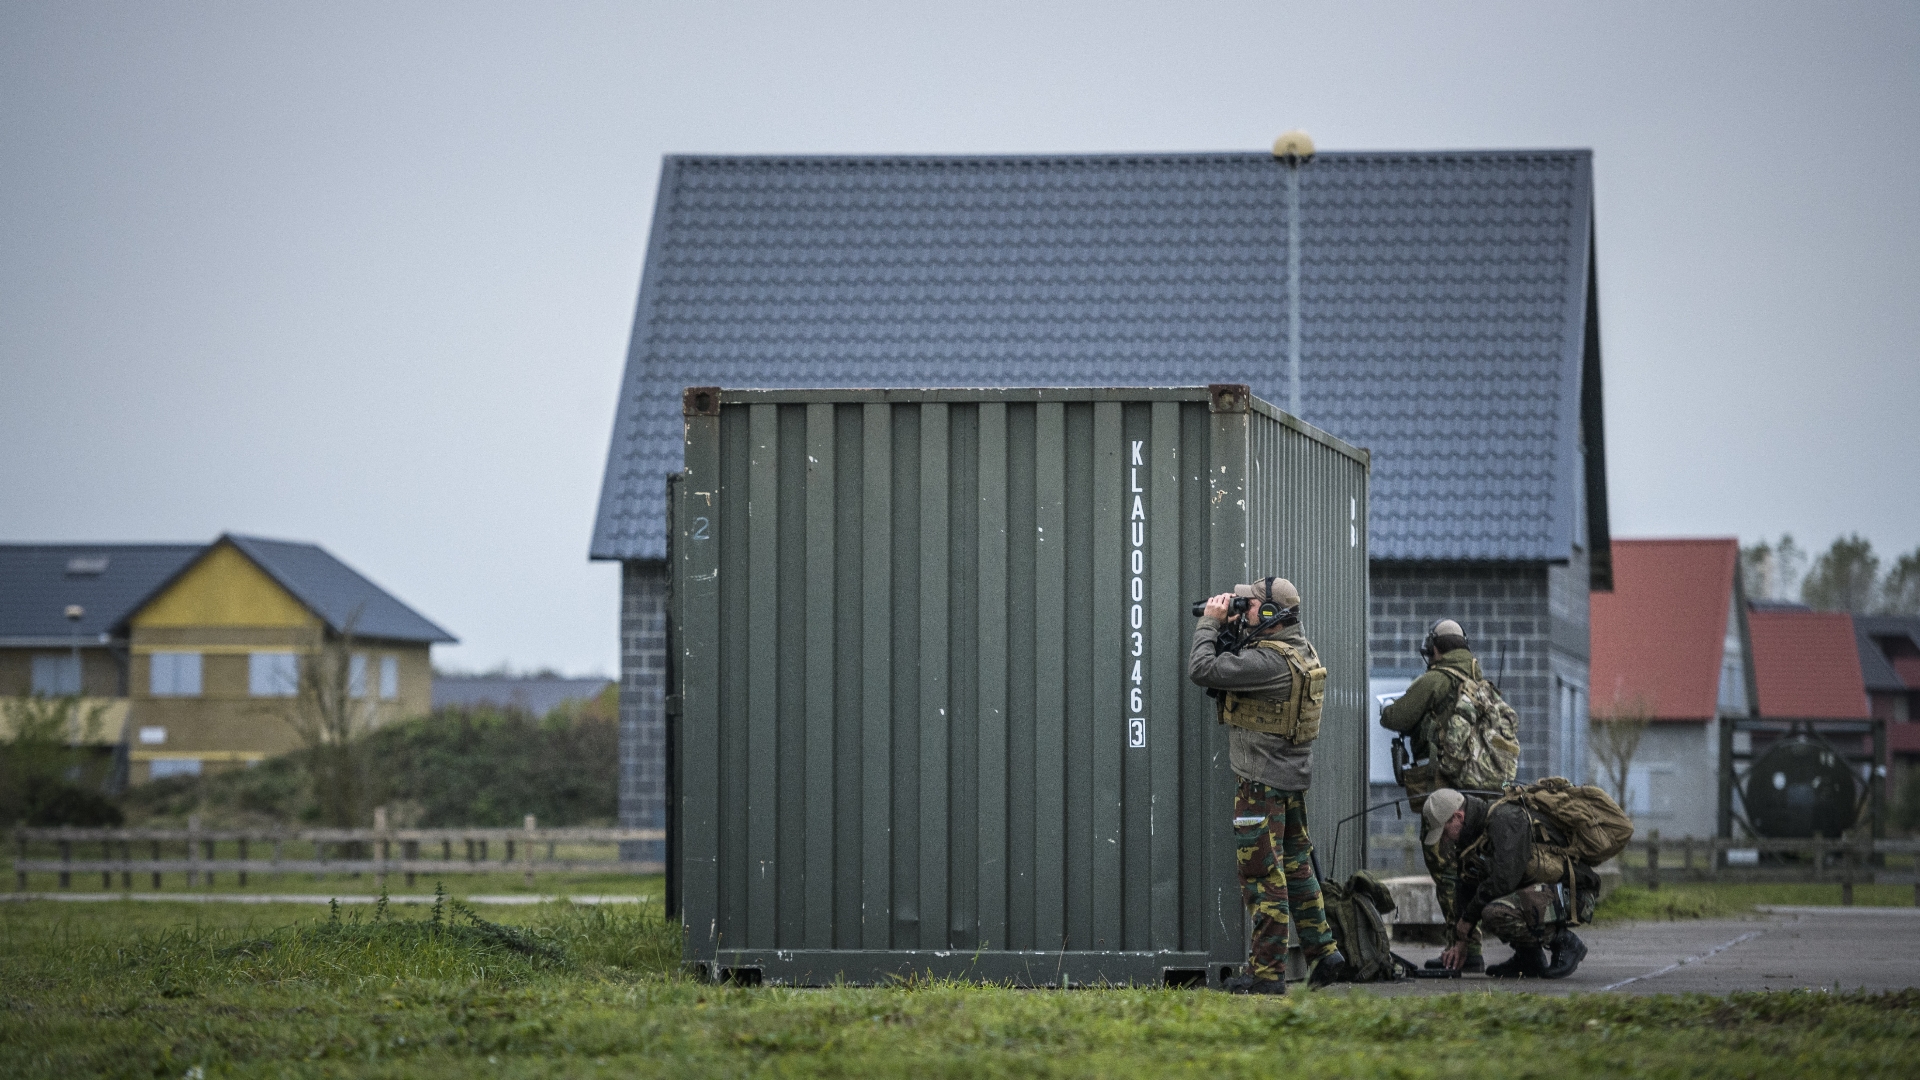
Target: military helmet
1275 598
1441 628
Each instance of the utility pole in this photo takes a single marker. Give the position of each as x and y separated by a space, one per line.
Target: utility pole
1293 150
74 614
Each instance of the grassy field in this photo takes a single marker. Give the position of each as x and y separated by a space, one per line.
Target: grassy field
1723 900
493 878
156 989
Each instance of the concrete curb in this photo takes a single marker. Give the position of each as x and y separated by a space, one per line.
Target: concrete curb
1821 909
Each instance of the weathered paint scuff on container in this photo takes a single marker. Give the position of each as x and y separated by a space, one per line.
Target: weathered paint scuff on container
930 706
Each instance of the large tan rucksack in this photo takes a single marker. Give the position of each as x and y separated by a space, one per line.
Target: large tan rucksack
1476 742
1591 827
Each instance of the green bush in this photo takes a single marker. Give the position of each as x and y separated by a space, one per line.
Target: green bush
484 766
48 776
476 766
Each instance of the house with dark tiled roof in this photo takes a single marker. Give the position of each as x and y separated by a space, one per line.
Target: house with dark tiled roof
1438 308
1671 644
1889 649
195 650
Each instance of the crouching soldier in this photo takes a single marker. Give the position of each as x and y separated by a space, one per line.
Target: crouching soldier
1462 735
1250 651
1526 893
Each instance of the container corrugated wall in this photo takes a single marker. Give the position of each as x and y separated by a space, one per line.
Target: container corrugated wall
932 711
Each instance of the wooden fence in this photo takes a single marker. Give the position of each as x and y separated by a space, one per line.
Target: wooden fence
379 851
1651 860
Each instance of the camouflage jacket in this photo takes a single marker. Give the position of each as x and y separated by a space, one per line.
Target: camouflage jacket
1428 694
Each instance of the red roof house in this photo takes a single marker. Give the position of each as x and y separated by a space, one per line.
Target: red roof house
1660 637
1807 666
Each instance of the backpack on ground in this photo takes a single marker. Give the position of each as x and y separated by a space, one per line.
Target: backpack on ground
1591 826
1354 914
1477 741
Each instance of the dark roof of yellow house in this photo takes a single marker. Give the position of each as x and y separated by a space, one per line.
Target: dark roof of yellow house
38 582
112 581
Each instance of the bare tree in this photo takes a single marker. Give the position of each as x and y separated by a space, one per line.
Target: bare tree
1614 739
1772 571
331 711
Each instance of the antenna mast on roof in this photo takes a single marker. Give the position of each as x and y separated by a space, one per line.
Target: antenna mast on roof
1293 149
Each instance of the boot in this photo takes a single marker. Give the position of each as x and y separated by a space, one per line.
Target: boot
1330 969
1527 962
1250 983
1568 951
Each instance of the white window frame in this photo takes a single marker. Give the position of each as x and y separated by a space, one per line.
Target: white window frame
273 674
174 674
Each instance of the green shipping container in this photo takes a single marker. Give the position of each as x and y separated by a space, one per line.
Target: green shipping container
928 653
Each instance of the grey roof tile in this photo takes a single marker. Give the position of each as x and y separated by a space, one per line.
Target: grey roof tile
336 592
38 581
1443 310
1875 668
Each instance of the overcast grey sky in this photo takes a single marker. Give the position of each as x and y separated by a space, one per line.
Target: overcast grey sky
362 274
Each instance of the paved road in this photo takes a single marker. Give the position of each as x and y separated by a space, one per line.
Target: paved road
1783 949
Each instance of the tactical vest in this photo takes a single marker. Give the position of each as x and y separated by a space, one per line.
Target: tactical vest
1296 719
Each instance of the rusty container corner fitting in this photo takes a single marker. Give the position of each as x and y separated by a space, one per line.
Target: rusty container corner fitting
929 710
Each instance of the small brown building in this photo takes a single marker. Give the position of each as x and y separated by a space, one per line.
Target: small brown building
197 649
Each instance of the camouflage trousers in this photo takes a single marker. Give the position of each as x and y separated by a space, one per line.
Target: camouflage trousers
1275 857
1443 866
1530 916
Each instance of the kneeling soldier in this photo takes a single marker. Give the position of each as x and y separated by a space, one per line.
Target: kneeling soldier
1503 885
1270 691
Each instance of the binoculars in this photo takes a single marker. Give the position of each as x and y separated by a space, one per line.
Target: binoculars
1238 606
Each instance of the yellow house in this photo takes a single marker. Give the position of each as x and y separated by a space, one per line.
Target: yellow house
209 658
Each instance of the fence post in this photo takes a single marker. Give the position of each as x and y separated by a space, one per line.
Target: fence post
1653 860
410 851
380 827
126 865
279 842
1819 857
530 841
156 865
106 875
193 851
1846 876
243 858
66 856
20 856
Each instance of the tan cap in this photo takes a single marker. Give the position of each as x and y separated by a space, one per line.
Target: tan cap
1283 593
1439 809
1448 628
